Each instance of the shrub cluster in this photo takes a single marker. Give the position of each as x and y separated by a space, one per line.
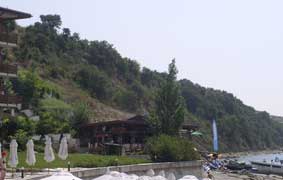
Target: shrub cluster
166 148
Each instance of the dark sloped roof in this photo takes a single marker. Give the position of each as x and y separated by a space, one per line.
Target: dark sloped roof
10 14
135 120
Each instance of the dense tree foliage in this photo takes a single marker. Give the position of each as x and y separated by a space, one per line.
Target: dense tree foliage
239 126
49 53
19 127
80 117
169 111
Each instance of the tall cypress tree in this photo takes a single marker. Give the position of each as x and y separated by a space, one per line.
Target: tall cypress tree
170 109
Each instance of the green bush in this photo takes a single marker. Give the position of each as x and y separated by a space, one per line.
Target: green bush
95 81
30 86
39 146
166 148
22 137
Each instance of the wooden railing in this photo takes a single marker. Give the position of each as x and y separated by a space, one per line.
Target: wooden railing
7 68
4 99
10 37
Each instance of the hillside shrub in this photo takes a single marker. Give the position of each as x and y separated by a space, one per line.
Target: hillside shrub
95 81
166 148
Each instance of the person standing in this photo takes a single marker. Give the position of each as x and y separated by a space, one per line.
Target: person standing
2 170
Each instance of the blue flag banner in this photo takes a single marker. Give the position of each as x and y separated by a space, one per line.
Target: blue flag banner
215 136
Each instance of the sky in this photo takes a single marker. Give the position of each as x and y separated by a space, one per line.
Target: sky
234 45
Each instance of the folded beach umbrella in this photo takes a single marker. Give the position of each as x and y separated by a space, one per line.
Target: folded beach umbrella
171 176
30 159
162 173
48 151
62 176
108 171
13 156
63 149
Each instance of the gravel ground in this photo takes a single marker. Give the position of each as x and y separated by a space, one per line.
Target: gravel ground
234 176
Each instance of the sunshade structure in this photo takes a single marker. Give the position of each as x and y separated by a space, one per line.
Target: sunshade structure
13 156
30 159
63 149
196 133
62 176
114 175
48 150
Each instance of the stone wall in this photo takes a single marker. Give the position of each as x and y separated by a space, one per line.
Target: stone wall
180 169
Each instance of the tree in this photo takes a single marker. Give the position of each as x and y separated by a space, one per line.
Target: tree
47 124
96 81
66 32
170 109
51 21
81 116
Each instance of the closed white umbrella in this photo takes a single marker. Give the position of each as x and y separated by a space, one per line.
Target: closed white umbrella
63 149
162 173
171 176
30 159
13 156
48 150
62 176
108 170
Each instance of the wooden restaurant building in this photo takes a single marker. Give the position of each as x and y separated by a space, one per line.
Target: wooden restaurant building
119 136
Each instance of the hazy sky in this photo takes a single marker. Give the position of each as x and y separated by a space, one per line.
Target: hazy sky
233 45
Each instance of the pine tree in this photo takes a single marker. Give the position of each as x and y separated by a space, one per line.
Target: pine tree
170 109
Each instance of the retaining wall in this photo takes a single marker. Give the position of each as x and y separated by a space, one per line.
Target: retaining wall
180 169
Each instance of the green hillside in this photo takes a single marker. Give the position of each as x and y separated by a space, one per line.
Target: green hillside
94 82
